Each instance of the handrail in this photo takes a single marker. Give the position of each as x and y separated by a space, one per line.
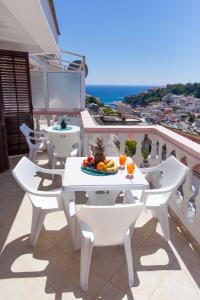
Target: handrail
56 112
72 53
179 141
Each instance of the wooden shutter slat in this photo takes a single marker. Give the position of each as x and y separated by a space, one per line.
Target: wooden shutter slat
4 163
16 91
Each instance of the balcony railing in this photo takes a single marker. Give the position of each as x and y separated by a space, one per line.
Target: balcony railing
186 203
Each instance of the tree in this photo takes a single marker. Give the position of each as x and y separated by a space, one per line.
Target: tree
191 118
92 99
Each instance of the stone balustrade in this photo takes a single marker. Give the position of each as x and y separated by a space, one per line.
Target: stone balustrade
186 203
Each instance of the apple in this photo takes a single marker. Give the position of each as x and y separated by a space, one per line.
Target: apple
90 159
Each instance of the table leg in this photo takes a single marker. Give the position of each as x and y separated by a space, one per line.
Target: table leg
70 213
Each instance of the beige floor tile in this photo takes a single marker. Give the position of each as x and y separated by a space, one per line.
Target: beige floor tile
55 221
177 236
138 239
59 262
145 280
190 253
68 285
175 285
31 288
106 260
66 244
110 292
17 231
15 252
27 263
155 255
191 270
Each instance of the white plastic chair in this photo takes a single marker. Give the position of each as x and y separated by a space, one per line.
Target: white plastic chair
31 135
106 226
172 173
64 146
42 202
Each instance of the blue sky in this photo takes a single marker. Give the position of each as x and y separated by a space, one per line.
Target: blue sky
133 42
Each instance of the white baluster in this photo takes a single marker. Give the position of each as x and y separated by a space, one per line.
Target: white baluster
160 150
88 141
153 157
188 191
110 148
138 155
196 218
122 138
170 148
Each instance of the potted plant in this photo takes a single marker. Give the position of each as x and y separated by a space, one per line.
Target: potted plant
145 155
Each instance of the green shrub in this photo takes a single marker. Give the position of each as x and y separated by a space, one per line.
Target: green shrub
130 147
145 154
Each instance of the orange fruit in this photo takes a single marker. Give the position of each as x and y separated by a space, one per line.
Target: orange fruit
101 166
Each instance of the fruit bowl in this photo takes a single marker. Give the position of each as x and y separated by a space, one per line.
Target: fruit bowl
108 167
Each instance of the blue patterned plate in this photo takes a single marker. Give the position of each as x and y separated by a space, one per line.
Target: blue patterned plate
95 172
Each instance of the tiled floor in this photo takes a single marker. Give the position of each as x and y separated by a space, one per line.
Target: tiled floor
163 271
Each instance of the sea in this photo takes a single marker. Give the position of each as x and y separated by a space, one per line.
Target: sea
113 93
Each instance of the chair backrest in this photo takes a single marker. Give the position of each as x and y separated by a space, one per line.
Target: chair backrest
63 143
24 174
109 224
26 132
173 173
25 129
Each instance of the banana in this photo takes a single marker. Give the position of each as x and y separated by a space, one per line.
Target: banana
112 169
110 164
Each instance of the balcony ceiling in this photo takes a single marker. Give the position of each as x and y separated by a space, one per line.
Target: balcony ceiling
24 27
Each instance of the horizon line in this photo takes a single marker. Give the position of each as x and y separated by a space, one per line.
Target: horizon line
115 84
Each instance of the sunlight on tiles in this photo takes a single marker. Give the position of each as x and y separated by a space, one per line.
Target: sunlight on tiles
27 263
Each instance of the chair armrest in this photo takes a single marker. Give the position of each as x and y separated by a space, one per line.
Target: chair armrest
150 170
158 191
51 171
38 132
39 139
44 193
161 191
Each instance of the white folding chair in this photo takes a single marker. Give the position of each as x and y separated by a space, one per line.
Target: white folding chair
42 202
172 174
106 226
39 137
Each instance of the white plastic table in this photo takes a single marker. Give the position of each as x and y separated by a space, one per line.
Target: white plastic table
76 180
64 139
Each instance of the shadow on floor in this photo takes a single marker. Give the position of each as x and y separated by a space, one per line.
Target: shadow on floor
62 269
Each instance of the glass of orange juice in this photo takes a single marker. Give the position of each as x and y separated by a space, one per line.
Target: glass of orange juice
122 160
130 166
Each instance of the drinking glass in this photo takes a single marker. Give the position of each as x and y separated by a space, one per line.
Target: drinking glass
130 166
122 160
